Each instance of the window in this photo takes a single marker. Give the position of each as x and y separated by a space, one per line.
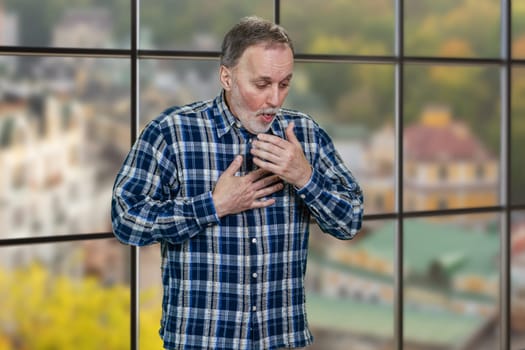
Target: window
422 98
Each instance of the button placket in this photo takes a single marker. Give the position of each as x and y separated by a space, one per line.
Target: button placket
253 270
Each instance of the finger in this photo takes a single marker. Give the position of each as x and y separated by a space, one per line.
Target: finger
266 154
267 139
267 181
290 135
263 203
234 166
272 145
258 174
266 165
268 190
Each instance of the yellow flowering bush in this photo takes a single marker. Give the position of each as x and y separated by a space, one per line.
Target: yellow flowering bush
41 311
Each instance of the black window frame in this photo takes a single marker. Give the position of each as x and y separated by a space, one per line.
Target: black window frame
399 60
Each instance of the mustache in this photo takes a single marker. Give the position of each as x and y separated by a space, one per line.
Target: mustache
268 111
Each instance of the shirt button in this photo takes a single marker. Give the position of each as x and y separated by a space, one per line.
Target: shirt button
254 308
254 275
303 196
254 240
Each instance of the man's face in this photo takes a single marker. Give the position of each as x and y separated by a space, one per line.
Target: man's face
258 85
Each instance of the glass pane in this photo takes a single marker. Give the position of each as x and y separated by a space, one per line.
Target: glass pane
451 282
452 28
451 137
358 113
150 302
185 25
64 131
518 136
166 83
71 295
517 288
518 29
340 27
75 23
350 291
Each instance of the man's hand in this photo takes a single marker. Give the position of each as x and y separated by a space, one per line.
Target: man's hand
284 158
234 194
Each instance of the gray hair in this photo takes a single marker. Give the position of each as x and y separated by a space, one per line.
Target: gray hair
248 32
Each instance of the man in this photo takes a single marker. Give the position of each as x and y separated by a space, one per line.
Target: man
228 188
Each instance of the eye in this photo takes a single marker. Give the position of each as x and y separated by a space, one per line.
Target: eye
284 84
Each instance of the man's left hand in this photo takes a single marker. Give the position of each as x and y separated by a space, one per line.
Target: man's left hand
284 158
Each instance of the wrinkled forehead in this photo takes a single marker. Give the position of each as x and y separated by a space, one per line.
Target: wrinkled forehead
267 60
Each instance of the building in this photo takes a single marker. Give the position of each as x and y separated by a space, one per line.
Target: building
44 183
8 37
518 277
84 27
447 286
446 165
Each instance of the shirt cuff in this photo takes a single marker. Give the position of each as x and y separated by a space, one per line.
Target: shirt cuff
204 210
313 188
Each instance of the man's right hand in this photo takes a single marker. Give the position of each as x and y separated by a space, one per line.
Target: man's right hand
234 194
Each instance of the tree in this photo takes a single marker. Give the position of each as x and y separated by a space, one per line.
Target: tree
42 311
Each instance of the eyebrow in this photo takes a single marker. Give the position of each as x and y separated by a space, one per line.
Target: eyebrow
266 78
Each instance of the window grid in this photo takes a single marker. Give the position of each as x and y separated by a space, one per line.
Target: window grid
506 92
399 60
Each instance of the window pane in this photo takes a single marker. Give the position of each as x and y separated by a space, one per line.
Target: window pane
65 296
64 131
452 28
517 288
355 104
518 136
451 282
82 23
166 83
340 27
350 288
194 25
518 29
451 137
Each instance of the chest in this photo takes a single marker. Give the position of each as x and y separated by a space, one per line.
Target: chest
201 158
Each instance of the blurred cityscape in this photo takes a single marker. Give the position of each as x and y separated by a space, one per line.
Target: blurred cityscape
65 130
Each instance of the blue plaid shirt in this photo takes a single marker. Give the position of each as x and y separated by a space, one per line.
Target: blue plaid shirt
235 282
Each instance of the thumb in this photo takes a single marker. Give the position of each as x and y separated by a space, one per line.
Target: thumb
290 135
234 166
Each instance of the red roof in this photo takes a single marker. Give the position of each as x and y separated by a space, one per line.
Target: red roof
518 243
453 141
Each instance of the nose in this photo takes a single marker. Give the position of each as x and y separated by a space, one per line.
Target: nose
274 96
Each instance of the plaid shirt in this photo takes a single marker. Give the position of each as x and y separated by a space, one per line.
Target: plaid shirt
235 282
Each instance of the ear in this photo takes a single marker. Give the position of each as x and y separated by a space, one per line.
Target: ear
225 77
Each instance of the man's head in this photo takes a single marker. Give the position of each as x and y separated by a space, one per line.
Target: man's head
256 70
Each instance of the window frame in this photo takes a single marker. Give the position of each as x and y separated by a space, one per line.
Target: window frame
399 60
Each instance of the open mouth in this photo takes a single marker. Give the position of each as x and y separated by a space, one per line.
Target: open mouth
268 114
267 118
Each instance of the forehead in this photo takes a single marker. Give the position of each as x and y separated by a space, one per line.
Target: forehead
274 61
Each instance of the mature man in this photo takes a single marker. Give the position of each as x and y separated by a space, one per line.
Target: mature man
228 188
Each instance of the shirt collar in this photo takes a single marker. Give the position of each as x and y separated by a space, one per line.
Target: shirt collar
225 120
